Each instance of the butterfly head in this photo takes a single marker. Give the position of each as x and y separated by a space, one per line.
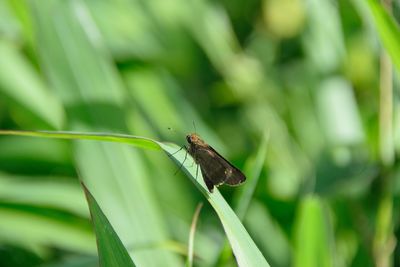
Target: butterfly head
194 139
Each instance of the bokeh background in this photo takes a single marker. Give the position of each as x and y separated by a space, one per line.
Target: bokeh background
300 95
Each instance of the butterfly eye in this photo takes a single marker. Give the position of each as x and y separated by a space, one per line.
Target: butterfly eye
188 139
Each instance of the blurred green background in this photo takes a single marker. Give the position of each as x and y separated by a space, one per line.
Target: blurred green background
304 86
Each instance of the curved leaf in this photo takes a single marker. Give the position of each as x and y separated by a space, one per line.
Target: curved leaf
111 250
388 31
245 250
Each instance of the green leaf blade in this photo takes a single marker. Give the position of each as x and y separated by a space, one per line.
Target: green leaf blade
110 248
312 243
246 252
387 29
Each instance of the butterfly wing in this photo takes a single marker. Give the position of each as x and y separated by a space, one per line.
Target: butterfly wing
211 167
234 176
207 181
216 169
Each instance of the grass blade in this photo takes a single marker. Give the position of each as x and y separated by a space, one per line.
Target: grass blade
29 93
110 248
247 193
246 252
244 197
312 246
191 235
35 229
141 142
83 73
49 191
388 30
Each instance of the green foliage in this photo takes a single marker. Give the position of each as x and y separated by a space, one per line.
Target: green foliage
388 31
246 252
323 187
312 245
110 248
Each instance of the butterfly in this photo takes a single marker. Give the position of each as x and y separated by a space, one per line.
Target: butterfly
216 170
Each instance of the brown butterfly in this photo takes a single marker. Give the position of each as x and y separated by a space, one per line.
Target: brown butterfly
216 170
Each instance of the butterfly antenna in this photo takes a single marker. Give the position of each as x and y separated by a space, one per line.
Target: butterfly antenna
194 126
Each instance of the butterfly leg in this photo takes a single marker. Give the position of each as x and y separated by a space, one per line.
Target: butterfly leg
181 165
197 171
178 150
